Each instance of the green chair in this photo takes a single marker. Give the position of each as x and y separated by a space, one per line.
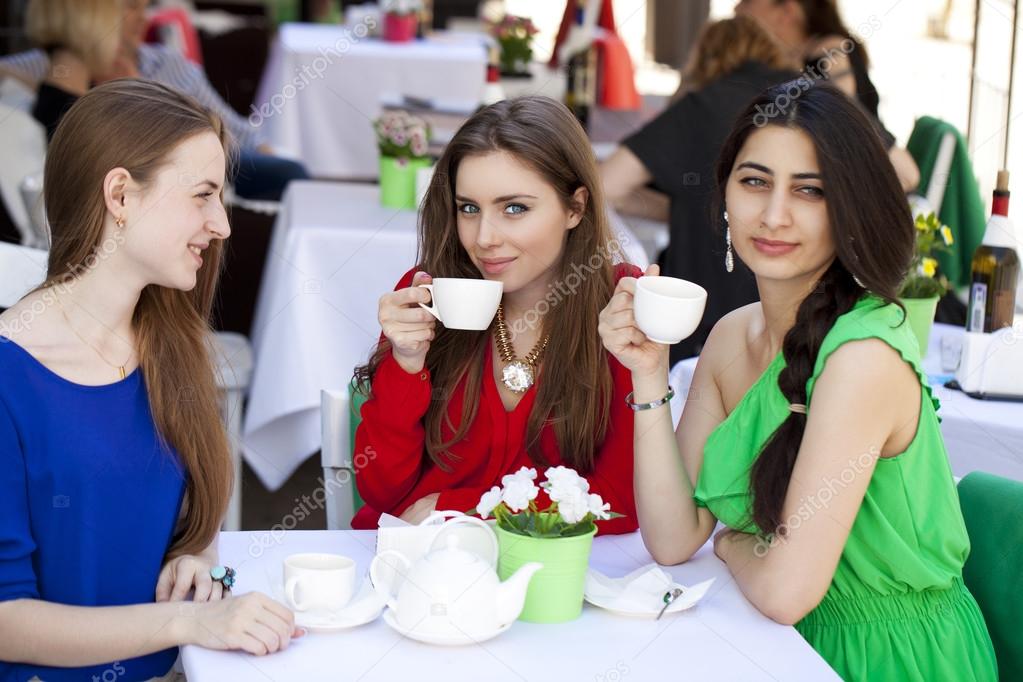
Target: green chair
340 414
993 509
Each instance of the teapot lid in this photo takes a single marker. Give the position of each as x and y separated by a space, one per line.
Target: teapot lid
453 554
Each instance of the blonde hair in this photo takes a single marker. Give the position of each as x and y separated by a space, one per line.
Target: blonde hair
137 125
726 45
89 28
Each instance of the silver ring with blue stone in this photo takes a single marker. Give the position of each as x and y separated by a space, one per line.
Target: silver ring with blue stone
223 575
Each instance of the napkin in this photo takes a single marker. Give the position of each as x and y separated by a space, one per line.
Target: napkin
642 591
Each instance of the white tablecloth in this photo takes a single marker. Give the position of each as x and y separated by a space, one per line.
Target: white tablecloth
335 251
980 435
323 84
722 638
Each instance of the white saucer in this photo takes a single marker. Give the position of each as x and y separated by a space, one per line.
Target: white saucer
364 607
441 640
608 605
690 597
331 622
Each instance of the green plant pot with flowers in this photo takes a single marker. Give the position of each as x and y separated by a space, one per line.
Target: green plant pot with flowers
559 536
924 286
514 35
403 141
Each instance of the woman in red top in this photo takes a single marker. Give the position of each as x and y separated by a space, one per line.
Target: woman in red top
516 198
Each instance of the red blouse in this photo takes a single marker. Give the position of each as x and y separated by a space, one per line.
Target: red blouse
400 472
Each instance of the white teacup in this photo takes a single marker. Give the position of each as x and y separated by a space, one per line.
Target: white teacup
464 303
668 309
318 582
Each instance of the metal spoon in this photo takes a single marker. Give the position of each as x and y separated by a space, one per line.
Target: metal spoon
669 597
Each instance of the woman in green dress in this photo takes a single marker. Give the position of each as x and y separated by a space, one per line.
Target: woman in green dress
810 430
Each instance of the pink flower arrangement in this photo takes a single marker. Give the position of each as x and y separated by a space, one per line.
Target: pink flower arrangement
401 135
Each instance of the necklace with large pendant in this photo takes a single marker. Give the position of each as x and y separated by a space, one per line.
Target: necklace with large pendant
518 375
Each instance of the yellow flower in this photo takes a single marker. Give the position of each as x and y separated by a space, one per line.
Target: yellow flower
921 223
946 234
929 266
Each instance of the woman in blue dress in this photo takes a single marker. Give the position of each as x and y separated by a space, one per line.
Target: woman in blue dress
114 466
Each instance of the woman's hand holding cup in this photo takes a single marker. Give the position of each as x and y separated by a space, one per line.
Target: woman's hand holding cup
623 338
408 327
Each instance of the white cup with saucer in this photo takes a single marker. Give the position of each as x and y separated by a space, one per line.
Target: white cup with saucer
317 583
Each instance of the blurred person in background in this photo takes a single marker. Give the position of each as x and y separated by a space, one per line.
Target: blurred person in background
85 42
733 61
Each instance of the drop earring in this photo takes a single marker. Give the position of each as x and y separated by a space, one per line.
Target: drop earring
729 258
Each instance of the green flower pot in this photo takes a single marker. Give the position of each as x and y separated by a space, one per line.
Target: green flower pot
920 312
398 181
555 593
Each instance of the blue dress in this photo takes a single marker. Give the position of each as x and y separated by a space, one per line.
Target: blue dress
89 498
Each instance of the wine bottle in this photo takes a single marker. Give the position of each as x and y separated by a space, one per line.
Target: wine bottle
995 268
581 85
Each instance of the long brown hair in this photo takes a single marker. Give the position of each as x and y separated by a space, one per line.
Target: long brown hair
726 45
136 125
575 385
874 239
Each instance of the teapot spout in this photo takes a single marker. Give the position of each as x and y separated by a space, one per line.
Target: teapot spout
511 595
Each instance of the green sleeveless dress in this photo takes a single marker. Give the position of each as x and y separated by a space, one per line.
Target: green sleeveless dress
897 608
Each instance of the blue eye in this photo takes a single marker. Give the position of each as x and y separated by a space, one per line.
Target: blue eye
515 209
815 192
468 209
753 182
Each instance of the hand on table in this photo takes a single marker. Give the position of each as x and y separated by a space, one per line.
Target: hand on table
421 509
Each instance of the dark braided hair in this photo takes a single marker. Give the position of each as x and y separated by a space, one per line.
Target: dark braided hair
874 237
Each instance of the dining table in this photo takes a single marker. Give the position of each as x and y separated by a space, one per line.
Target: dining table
723 637
324 85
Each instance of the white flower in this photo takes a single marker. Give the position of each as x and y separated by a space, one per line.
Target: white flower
519 489
562 481
488 501
574 505
525 475
598 507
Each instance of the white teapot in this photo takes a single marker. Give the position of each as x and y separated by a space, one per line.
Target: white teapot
451 592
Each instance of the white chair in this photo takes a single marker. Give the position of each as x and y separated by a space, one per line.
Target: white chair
23 140
938 183
233 361
336 458
22 269
31 189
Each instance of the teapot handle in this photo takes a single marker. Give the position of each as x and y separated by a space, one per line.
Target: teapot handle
462 519
383 588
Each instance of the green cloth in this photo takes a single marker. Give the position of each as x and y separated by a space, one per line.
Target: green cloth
993 510
355 402
897 609
962 208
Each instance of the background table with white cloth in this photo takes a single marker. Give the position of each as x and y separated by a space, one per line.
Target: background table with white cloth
335 251
980 435
323 85
722 638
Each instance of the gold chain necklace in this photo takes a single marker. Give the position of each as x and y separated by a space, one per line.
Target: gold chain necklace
518 375
119 368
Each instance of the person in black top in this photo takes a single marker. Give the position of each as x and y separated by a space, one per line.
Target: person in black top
813 32
733 61
77 37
